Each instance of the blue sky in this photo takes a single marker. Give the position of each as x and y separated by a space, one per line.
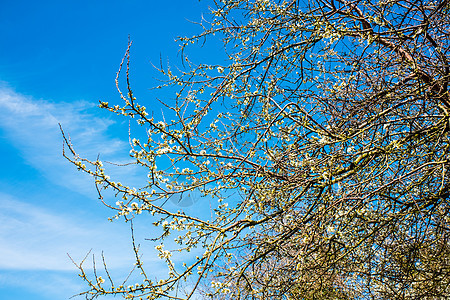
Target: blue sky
57 59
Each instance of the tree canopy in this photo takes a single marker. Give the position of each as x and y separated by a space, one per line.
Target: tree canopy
323 140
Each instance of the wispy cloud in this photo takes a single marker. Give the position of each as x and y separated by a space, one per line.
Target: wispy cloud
43 284
32 127
34 242
34 238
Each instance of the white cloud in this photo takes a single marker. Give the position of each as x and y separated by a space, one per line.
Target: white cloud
34 242
32 127
45 285
34 238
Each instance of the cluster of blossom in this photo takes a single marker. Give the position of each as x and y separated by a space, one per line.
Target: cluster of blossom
163 254
221 287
